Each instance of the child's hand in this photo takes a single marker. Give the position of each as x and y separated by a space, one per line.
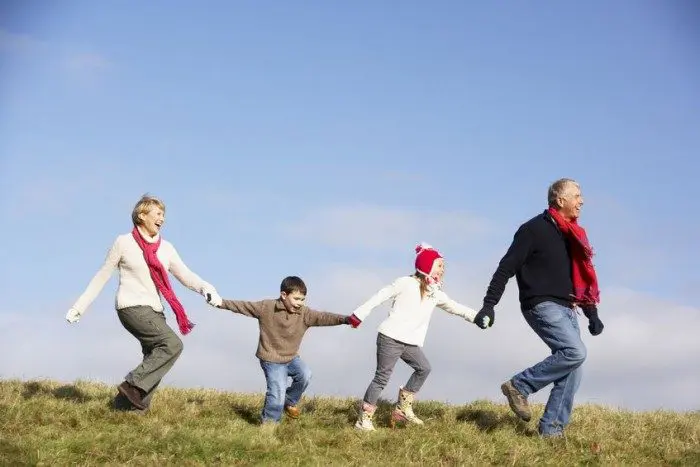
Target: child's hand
353 321
73 316
485 317
214 299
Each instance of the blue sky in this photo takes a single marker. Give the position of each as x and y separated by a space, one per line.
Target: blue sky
326 139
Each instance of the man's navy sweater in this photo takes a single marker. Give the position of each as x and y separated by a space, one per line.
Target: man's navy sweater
539 258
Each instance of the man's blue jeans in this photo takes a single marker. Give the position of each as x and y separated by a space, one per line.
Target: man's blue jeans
557 326
278 394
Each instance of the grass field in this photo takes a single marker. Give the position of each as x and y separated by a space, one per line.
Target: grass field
49 423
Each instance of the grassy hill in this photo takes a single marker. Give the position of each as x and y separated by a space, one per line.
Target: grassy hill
48 423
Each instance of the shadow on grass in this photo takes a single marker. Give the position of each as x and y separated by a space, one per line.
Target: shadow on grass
488 420
11 454
121 404
332 415
67 392
250 415
349 413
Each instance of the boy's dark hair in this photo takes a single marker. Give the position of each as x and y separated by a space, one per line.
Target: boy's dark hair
292 284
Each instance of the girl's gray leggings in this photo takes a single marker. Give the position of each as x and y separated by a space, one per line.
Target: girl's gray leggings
388 352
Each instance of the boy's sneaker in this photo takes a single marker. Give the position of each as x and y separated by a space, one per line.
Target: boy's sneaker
518 402
292 411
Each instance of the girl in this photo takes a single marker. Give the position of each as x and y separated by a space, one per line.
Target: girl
402 333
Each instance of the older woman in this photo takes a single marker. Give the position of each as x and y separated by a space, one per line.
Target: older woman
144 259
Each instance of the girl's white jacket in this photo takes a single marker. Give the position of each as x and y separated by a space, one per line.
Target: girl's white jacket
410 316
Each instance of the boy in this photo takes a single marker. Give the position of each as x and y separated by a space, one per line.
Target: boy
282 323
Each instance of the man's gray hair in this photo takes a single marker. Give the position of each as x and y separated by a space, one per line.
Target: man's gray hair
558 189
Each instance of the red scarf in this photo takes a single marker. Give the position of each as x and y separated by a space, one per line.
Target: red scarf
582 270
161 280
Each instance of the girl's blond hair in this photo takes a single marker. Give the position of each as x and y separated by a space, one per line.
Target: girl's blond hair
143 206
423 283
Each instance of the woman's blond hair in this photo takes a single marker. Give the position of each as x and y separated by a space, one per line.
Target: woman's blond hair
143 206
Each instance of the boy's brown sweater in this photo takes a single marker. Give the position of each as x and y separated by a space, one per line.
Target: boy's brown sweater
281 331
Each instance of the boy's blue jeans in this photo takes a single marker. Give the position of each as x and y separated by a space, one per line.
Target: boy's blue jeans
278 394
557 326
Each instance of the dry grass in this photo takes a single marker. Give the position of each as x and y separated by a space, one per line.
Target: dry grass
46 423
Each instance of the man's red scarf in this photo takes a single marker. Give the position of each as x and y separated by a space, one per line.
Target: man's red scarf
161 280
582 270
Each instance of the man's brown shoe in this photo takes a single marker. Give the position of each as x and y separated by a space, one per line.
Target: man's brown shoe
292 411
132 393
518 402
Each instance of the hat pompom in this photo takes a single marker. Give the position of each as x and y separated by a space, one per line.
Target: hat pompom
423 246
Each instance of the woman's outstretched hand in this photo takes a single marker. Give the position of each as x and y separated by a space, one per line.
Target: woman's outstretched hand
213 299
73 316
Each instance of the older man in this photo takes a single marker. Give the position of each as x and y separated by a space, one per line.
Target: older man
551 259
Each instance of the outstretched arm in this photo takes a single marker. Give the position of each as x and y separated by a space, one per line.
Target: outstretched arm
323 318
98 281
252 309
511 262
384 294
188 278
455 308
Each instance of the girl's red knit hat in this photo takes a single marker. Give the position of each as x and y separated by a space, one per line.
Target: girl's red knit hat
425 257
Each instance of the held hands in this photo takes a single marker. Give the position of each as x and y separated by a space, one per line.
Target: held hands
485 317
73 316
353 321
213 298
595 325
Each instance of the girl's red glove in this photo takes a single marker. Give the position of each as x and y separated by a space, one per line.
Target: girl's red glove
353 321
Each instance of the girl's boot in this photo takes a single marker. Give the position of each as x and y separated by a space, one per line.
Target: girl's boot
364 422
403 412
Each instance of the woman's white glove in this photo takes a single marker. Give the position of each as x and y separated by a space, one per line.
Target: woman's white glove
212 297
73 315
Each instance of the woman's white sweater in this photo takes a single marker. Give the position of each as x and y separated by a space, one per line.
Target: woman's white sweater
136 288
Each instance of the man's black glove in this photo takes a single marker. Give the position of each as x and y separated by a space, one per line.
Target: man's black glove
595 325
485 317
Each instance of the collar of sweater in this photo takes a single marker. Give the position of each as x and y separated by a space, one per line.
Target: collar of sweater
147 237
279 306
